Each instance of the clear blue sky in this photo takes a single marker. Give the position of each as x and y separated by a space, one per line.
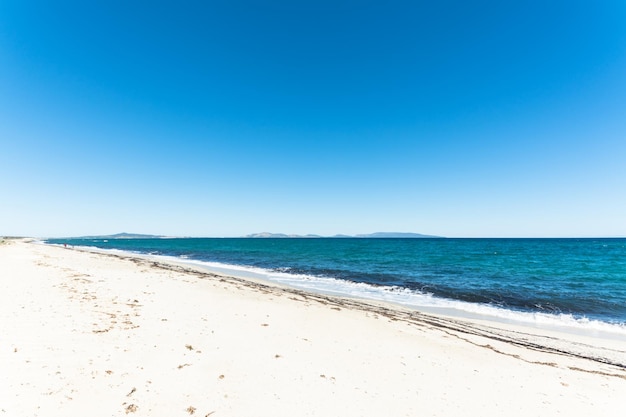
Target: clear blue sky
223 118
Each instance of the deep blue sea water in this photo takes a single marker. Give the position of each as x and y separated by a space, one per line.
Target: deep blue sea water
576 281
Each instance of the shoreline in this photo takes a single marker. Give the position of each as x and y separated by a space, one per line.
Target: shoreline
177 339
591 328
492 327
454 309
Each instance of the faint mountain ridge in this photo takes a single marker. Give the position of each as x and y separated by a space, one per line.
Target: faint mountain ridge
269 235
279 235
377 235
122 236
397 235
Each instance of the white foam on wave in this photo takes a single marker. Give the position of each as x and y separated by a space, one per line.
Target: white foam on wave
417 300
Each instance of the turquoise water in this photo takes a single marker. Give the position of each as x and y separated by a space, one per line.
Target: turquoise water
581 280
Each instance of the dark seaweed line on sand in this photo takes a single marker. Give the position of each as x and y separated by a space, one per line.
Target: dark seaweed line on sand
450 326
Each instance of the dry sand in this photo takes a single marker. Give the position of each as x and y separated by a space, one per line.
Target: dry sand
87 334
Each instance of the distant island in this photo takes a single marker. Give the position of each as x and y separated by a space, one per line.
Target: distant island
277 235
378 235
122 236
398 234
267 235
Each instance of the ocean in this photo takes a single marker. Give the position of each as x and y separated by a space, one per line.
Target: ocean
573 283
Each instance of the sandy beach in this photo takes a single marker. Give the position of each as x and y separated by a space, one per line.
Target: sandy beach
85 333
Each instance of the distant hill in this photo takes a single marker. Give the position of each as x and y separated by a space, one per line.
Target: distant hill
396 235
279 235
122 236
377 235
267 234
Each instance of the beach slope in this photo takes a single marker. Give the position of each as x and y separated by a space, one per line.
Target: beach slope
85 333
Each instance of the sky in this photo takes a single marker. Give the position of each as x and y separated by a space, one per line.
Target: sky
224 118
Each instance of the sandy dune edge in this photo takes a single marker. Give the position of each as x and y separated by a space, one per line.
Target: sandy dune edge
91 334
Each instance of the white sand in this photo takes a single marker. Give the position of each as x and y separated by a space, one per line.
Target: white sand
84 334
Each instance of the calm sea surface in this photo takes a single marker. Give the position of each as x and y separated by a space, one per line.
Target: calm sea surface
580 281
